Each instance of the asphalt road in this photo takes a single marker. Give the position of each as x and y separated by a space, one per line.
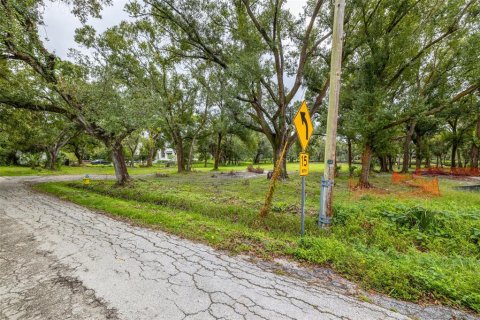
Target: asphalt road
62 261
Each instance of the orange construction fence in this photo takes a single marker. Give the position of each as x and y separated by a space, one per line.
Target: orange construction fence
401 177
427 185
459 172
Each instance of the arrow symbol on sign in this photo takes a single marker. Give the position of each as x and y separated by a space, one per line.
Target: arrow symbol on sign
304 121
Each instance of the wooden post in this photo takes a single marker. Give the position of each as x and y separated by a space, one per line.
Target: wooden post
333 99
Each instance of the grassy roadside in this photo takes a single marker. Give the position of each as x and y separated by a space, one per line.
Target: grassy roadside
88 169
407 245
64 170
109 170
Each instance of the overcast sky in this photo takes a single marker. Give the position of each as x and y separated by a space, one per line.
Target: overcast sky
60 24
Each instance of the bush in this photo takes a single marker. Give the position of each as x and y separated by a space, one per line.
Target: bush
250 168
33 160
351 170
422 218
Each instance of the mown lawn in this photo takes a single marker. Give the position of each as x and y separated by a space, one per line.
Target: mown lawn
65 170
108 169
394 239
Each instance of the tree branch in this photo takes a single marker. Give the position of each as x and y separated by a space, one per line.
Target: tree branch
304 53
32 106
433 111
451 29
321 95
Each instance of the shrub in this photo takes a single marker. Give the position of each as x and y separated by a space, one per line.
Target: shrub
351 170
416 216
251 168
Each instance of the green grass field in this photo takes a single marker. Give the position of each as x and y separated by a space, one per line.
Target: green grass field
102 169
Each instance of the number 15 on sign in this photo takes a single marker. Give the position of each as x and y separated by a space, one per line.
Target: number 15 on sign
303 164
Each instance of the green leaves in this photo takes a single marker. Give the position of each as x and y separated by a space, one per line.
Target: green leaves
85 35
83 9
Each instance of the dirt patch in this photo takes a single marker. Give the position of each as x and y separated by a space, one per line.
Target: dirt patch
238 175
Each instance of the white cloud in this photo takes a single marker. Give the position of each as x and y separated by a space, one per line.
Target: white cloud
60 24
295 6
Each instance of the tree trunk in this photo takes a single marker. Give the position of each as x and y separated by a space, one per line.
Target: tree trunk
418 154
278 148
78 155
150 156
390 163
256 159
180 156
406 147
119 163
454 154
475 152
366 161
190 155
153 148
218 151
350 156
273 178
52 159
383 163
474 157
12 158
54 150
418 162
132 162
459 158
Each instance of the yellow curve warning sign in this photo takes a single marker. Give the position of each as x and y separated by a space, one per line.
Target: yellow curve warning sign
303 125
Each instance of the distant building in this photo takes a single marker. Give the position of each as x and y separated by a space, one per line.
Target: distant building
166 154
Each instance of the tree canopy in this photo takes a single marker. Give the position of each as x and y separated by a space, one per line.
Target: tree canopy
194 74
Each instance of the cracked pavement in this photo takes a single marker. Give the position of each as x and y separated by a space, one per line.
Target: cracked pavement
62 261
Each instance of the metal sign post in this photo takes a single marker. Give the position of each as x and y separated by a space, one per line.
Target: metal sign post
304 127
303 174
303 208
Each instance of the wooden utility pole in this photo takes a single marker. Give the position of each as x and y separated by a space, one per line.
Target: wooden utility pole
333 99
